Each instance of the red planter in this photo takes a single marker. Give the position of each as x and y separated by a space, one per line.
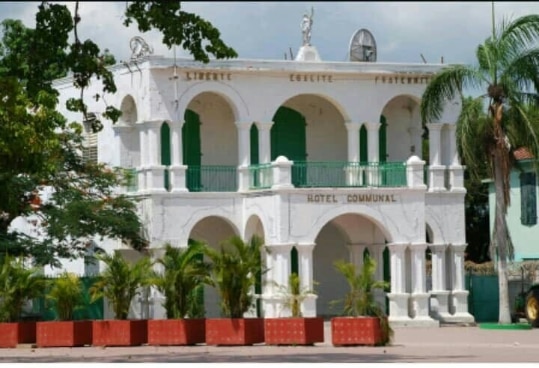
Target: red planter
176 331
293 331
234 331
14 333
119 332
356 331
63 333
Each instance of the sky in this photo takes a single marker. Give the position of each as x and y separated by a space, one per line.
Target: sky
404 31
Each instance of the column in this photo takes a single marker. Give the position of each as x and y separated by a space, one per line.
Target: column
244 155
277 277
439 292
177 169
142 172
356 254
420 298
377 253
459 294
373 172
436 170
156 173
264 142
354 173
305 263
415 141
456 171
398 297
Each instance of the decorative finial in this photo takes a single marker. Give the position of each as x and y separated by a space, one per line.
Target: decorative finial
139 48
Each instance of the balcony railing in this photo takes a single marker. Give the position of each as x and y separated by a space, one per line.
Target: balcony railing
260 176
348 174
212 178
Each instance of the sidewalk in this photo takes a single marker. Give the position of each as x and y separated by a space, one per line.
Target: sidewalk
442 345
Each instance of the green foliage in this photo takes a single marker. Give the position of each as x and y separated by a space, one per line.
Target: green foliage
40 148
506 70
67 294
236 267
18 284
121 281
294 294
184 273
359 301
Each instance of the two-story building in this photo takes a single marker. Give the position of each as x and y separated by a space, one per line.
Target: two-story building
321 159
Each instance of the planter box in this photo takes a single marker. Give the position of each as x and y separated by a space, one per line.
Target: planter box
63 333
119 332
176 331
356 331
234 331
293 331
14 333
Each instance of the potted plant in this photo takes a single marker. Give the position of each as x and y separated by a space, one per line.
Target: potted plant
67 295
236 267
184 274
364 321
119 283
18 284
295 329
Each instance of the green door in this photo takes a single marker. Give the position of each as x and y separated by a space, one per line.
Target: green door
382 142
191 149
288 139
165 152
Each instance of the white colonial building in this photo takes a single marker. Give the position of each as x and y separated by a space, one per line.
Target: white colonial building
321 159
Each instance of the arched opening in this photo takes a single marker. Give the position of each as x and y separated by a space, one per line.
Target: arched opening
309 130
212 230
210 144
129 134
348 237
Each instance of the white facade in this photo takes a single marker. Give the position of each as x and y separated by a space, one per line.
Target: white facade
341 206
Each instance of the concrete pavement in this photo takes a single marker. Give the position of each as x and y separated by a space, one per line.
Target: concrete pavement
442 345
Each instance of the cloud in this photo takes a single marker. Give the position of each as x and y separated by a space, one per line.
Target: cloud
266 30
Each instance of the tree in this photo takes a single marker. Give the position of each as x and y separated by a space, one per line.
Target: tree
508 71
40 149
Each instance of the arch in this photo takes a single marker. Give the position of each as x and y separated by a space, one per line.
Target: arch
230 95
128 107
434 229
201 215
254 226
274 105
363 211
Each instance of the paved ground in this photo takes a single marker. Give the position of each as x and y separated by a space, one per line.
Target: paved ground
443 345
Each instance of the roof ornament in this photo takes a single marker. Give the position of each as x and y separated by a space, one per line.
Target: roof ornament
139 48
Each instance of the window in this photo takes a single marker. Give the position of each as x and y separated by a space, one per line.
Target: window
89 144
528 199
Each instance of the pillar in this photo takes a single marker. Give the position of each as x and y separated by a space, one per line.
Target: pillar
456 171
177 169
156 172
377 253
264 142
416 141
142 172
305 263
373 141
439 292
419 300
244 152
398 297
356 254
277 277
354 175
436 169
459 294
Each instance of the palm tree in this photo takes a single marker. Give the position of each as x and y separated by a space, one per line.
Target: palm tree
184 274
508 71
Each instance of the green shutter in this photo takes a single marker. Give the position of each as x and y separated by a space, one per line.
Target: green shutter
528 199
288 138
294 265
382 139
165 152
191 149
255 159
363 145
